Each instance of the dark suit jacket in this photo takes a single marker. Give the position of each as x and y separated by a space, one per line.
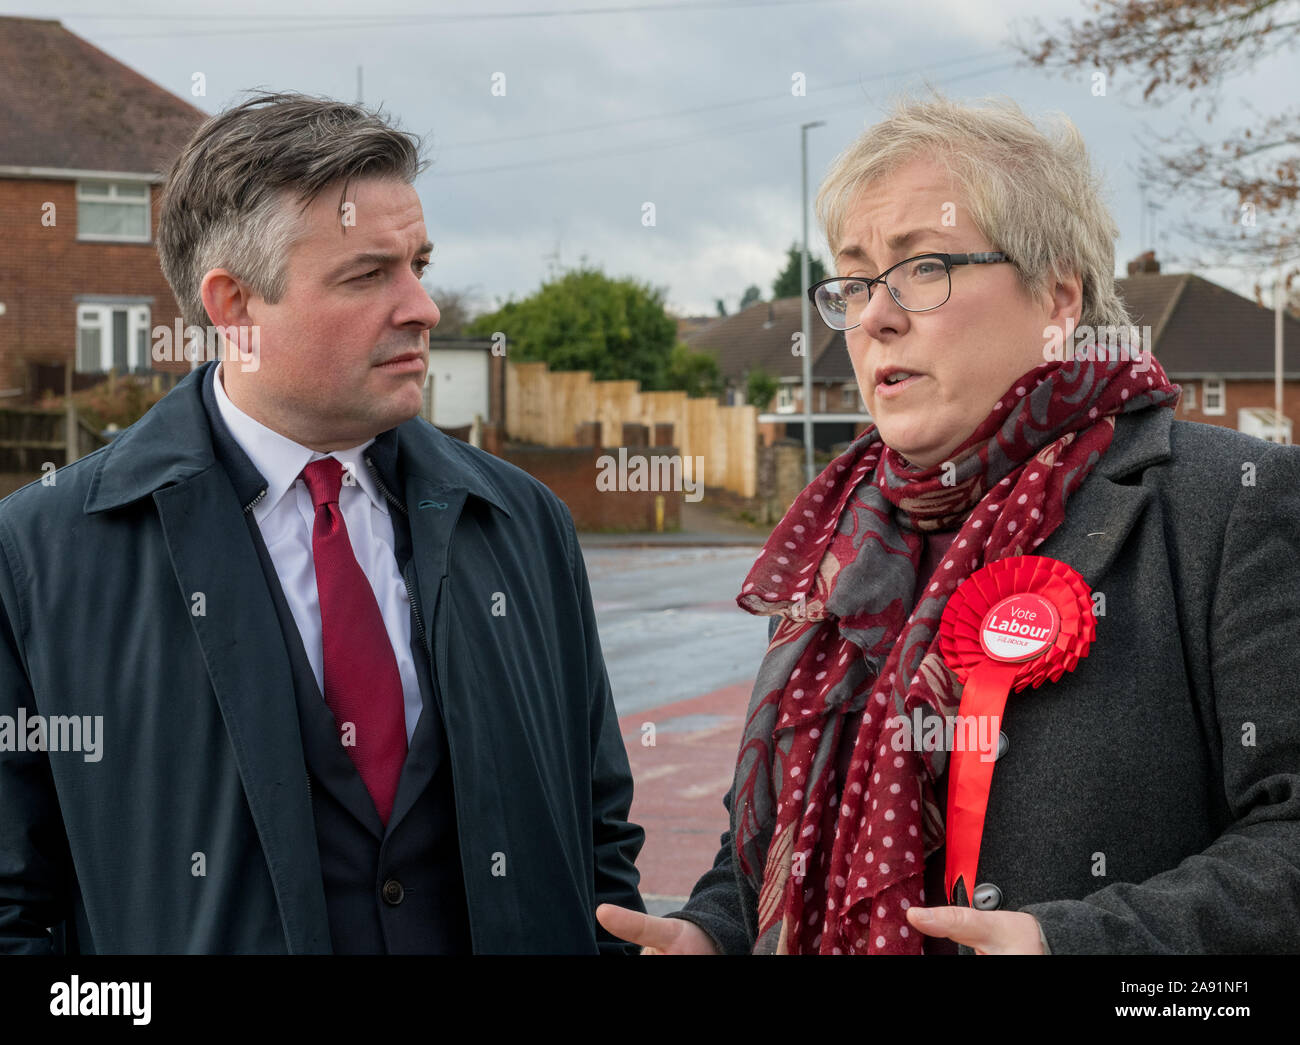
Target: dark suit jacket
130 589
1149 801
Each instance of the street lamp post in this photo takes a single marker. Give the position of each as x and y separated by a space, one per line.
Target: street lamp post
1279 304
805 310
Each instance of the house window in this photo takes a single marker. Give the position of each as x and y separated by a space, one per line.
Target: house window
1189 395
113 337
821 399
785 399
848 397
1213 401
113 210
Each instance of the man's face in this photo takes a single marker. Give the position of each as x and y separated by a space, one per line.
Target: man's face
344 353
969 350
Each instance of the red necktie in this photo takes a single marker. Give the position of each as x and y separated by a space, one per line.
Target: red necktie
362 683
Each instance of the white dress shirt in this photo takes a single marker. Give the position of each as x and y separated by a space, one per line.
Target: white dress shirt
286 517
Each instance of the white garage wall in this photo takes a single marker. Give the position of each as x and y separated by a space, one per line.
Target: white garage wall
457 386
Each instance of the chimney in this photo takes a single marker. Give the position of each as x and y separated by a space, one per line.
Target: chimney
1145 262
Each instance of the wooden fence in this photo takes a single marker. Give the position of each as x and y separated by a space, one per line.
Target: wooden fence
546 408
32 439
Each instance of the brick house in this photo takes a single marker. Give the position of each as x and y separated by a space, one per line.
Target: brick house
84 146
1218 346
762 336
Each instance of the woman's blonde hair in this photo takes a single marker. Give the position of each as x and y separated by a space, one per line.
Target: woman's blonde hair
1032 194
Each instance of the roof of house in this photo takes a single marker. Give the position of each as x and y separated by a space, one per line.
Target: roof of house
1199 327
762 335
70 106
687 324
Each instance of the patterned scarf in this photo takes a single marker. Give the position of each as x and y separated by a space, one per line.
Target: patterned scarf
835 874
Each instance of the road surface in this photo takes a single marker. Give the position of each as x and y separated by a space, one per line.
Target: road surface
681 657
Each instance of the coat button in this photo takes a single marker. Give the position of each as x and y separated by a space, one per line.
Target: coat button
988 897
393 892
1003 744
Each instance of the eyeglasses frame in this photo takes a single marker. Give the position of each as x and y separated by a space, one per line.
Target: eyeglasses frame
982 257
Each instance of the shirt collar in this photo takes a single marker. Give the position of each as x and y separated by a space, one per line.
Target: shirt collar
280 460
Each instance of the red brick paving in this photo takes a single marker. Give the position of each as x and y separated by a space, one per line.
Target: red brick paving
679 784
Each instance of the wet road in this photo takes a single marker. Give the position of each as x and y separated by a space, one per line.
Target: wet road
669 624
681 658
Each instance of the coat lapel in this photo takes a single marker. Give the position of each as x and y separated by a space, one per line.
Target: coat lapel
436 480
168 455
1090 536
1102 513
434 512
432 509
435 509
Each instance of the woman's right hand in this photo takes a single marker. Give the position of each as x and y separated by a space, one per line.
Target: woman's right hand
655 935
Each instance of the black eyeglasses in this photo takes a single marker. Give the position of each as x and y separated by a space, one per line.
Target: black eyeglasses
917 284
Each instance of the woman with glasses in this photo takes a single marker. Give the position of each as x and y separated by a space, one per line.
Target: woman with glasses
1148 800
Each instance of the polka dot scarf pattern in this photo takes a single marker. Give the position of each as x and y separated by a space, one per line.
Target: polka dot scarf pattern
835 868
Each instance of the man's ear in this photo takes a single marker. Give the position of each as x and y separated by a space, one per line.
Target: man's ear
226 299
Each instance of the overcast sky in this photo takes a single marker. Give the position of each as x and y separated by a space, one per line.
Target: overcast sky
610 105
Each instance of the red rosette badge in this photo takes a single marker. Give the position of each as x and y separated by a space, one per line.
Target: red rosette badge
1014 623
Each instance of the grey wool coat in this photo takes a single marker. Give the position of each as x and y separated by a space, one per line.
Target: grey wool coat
1149 801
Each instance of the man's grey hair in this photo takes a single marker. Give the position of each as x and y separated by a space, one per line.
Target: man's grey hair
229 198
1032 194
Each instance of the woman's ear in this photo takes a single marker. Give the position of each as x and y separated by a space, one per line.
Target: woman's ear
1065 300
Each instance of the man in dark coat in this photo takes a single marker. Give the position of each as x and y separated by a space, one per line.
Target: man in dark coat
284 668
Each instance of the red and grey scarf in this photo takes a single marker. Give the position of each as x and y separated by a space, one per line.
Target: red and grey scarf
835 868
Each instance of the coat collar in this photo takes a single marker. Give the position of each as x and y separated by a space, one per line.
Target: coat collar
1141 440
173 443
280 459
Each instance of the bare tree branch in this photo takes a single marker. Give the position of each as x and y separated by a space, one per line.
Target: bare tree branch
1243 188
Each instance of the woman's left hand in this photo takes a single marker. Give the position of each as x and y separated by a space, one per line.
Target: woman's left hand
989 932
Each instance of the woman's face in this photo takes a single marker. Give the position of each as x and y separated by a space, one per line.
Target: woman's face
969 350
